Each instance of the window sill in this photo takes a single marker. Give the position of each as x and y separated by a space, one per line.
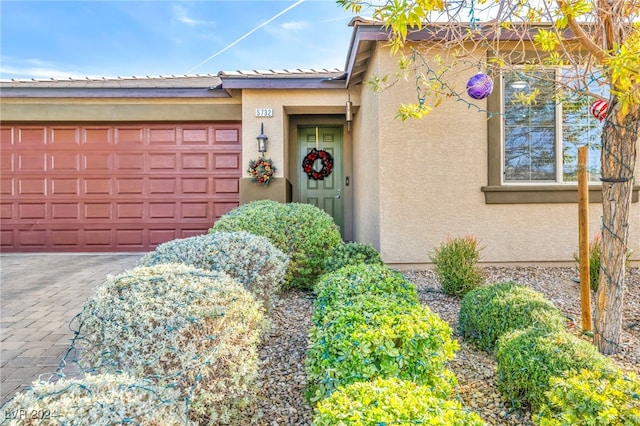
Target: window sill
542 194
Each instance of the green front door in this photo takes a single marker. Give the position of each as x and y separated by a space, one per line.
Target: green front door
327 193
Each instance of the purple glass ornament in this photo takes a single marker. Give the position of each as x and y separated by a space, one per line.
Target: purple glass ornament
479 86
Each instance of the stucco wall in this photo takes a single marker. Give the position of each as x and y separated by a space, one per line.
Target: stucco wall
122 110
283 103
431 174
366 163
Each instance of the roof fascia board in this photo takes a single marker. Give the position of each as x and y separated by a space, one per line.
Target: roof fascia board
281 83
121 92
361 34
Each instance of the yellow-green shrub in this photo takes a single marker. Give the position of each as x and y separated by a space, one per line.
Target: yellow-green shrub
376 337
361 280
390 402
528 359
592 397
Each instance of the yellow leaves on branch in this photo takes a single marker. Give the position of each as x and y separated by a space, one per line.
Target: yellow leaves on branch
413 111
624 70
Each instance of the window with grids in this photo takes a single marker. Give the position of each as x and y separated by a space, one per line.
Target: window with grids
541 137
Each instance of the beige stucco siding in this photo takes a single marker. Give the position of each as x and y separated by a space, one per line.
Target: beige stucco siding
366 165
119 110
283 103
431 174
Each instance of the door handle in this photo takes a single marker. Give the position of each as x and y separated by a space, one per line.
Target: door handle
337 196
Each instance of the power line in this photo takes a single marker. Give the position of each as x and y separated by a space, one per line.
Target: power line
246 35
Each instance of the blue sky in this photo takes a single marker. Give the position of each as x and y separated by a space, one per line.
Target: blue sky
62 39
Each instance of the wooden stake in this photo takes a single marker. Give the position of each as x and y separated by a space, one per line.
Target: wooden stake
583 238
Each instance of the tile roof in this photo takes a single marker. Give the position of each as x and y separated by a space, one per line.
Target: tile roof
284 73
134 82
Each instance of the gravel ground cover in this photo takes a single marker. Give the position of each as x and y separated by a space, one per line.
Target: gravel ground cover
282 375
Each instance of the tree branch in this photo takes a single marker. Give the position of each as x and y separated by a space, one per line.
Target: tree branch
583 38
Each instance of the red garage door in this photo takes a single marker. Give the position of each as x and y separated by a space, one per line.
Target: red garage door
114 187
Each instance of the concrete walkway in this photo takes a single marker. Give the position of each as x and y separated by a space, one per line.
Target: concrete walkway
39 295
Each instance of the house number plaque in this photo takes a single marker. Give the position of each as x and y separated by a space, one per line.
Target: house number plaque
264 112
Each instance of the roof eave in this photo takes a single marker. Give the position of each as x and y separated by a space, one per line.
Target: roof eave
68 92
283 83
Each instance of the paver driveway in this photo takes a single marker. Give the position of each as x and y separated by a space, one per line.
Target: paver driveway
39 295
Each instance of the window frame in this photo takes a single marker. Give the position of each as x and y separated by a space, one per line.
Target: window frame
497 191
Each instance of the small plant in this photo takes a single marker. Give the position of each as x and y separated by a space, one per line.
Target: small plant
528 359
351 254
595 254
250 259
595 251
178 326
376 337
456 265
390 402
488 312
305 233
592 398
97 400
362 280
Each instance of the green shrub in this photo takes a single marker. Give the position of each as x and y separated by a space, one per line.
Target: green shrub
488 312
527 359
592 398
250 259
179 326
378 337
390 402
351 281
305 233
595 254
97 400
595 251
456 265
351 254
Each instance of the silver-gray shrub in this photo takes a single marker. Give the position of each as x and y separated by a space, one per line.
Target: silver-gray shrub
97 400
189 329
252 260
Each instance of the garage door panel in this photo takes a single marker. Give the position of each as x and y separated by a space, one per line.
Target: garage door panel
65 162
98 161
97 186
227 161
195 136
65 136
34 136
65 211
97 136
115 188
36 186
130 162
195 185
64 187
227 136
65 238
130 186
198 161
129 136
226 186
6 186
162 186
166 162
31 162
32 211
159 236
